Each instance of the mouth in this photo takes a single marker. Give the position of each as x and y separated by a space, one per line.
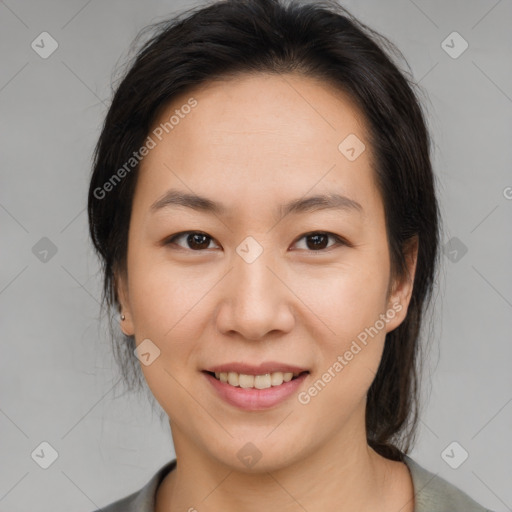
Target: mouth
262 381
255 392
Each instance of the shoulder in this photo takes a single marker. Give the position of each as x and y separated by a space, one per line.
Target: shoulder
126 505
142 500
435 494
431 493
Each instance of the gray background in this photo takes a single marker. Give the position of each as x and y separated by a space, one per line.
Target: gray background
57 380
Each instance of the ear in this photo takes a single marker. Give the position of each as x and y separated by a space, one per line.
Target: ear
401 289
121 287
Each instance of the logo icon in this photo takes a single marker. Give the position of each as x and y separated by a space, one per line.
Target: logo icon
249 249
454 250
44 455
146 352
351 147
454 455
44 45
454 45
44 250
249 455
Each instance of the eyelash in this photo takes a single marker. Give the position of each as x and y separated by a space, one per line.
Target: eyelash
340 241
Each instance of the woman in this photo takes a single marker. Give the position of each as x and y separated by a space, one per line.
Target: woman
264 207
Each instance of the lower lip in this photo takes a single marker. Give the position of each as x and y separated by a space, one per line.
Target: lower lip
252 399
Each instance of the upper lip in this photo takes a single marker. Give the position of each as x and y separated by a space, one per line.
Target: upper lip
261 369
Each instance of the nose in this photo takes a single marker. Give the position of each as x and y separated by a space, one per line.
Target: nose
255 302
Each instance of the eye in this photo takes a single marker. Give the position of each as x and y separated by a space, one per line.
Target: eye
196 240
317 240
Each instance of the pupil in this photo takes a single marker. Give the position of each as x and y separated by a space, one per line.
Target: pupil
316 245
195 240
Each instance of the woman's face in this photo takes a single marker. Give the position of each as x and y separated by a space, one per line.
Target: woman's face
256 285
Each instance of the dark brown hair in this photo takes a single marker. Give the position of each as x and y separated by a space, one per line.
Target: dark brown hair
320 40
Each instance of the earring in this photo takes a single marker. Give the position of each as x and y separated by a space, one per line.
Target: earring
122 317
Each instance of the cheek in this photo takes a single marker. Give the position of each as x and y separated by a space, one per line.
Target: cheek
350 349
350 341
167 309
161 294
347 298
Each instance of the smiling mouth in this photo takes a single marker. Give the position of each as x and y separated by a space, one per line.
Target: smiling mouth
263 381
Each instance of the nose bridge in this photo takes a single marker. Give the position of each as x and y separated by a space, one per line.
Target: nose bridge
254 282
255 302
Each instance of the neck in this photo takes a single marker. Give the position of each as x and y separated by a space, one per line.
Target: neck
346 475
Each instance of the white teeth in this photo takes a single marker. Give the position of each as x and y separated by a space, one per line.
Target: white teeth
233 378
255 381
246 381
277 378
263 381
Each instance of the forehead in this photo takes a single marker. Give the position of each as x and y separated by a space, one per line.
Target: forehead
266 134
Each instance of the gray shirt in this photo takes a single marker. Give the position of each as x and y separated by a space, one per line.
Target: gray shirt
431 493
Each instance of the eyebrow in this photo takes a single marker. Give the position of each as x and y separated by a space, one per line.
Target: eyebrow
173 198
